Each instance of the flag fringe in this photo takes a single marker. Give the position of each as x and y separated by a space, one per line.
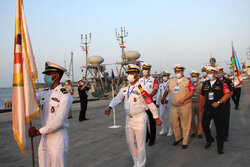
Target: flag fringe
21 146
33 77
33 116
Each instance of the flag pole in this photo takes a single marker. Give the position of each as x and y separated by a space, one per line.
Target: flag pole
232 64
113 95
32 148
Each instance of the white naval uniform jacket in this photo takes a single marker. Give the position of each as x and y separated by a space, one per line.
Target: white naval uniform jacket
203 79
148 85
160 93
54 144
133 101
54 106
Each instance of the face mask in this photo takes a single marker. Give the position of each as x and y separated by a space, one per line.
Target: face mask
204 74
130 78
178 76
219 75
48 80
210 76
194 79
145 72
165 78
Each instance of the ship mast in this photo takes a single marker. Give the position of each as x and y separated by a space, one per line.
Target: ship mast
84 46
120 36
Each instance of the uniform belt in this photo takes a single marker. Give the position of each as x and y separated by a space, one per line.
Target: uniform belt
135 115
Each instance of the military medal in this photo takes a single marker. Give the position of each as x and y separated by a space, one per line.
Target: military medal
52 109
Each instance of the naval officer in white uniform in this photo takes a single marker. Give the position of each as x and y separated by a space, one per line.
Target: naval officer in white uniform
151 85
55 103
164 108
136 119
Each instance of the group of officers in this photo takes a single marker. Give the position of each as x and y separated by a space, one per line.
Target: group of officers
179 98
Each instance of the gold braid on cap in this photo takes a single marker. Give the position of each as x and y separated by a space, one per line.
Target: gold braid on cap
194 75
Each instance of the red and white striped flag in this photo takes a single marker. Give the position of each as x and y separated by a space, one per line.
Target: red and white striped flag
24 104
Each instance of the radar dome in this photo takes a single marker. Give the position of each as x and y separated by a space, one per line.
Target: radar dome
131 55
95 60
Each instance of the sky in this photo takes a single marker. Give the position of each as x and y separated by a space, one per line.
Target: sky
165 32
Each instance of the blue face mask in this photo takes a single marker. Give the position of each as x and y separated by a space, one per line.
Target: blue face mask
194 79
204 74
178 76
48 80
219 75
210 76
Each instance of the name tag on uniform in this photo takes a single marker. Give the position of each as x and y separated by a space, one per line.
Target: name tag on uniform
176 89
211 96
194 96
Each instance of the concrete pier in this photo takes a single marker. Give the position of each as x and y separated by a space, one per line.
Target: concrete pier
93 144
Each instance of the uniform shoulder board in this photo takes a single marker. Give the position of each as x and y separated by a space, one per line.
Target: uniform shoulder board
206 81
140 87
64 91
45 89
125 85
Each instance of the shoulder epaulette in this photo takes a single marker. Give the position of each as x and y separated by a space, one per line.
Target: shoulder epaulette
45 89
207 81
64 91
125 85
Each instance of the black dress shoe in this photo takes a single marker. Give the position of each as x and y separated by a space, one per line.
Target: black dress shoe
85 119
184 146
193 134
151 143
225 139
220 151
177 142
208 144
80 120
199 136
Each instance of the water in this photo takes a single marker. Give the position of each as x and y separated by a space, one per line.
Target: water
5 94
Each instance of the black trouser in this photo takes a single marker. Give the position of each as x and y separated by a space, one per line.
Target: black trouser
236 96
218 115
227 119
84 103
151 135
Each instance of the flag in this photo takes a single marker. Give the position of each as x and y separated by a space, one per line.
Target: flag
24 104
236 63
112 76
84 49
118 73
122 46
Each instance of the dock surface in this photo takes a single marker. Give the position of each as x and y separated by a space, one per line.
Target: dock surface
93 144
